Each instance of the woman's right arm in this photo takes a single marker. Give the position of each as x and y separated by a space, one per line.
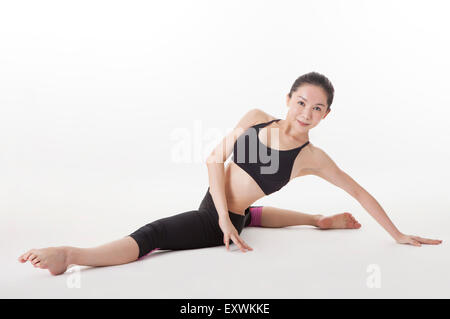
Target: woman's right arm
216 175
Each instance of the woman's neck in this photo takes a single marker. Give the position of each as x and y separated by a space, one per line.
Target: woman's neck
288 130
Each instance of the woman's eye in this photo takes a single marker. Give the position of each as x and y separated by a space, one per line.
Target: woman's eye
316 108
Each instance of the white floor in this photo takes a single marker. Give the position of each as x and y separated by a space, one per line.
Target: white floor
293 262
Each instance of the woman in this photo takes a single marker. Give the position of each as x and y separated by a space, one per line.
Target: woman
267 154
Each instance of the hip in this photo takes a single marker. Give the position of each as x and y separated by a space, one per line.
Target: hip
207 207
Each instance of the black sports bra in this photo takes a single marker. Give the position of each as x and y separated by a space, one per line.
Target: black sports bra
270 168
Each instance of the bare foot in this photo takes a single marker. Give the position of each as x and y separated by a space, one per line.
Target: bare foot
343 220
53 258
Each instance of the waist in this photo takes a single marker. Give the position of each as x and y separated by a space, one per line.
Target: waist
208 203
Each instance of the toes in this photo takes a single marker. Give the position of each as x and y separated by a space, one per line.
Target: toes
349 216
31 254
25 256
35 260
32 258
354 222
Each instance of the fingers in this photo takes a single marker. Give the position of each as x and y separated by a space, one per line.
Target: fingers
427 240
226 241
240 243
245 245
415 243
237 241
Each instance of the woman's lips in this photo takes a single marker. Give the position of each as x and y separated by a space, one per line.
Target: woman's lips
301 123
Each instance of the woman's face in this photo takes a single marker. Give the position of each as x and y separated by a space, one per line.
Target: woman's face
307 105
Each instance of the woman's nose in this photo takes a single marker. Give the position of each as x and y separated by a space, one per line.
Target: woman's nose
307 114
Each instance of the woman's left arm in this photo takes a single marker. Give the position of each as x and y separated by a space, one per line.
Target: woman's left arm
327 169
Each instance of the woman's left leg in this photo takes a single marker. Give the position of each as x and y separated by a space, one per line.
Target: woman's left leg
268 216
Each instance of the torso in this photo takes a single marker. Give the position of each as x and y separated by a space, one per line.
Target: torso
241 190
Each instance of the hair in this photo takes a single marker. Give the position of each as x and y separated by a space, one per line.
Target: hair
315 79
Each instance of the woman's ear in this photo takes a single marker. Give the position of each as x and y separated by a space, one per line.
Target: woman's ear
328 111
287 100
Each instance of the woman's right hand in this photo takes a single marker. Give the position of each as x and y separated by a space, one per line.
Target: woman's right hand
229 231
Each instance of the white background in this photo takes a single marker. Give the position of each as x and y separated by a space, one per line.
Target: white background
92 94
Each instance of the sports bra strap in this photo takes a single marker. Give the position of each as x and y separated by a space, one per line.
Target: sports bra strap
260 125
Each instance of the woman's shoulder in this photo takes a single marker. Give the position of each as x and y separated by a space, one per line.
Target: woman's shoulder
259 116
315 157
254 117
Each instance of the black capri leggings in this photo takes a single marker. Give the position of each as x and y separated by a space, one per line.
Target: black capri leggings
192 229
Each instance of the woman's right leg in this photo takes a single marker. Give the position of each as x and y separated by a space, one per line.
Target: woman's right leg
57 259
188 230
118 252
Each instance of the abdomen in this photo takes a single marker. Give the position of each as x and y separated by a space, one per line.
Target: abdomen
241 190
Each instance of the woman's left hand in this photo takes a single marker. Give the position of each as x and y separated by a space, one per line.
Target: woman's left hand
416 240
